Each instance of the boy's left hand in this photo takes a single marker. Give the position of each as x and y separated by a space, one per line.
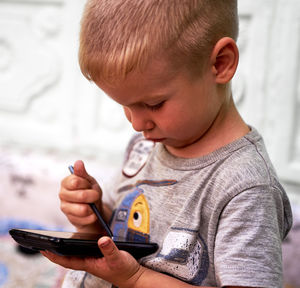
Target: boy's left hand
117 267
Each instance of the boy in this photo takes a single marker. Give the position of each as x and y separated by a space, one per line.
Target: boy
197 180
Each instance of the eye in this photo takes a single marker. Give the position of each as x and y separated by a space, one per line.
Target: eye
137 219
156 106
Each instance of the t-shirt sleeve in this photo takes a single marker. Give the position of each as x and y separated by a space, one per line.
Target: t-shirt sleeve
248 240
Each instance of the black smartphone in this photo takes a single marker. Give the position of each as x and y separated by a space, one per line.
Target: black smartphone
75 244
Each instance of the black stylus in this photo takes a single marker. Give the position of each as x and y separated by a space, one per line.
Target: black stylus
96 211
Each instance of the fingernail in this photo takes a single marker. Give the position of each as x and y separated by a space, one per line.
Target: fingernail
104 243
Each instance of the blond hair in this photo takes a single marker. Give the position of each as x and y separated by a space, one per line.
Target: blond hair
120 36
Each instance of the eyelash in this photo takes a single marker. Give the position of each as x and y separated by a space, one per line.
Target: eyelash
155 107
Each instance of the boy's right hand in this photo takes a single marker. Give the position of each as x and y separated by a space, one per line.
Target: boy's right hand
76 192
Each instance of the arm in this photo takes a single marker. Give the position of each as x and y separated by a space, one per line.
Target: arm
149 278
120 268
117 267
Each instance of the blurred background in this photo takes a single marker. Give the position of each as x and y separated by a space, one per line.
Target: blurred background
50 116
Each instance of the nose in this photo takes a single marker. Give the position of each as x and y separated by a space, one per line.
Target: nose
138 119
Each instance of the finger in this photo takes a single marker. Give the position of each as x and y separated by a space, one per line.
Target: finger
120 263
79 170
109 250
79 196
82 221
76 209
73 182
74 263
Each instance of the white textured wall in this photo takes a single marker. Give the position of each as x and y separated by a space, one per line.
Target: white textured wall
45 103
267 82
46 106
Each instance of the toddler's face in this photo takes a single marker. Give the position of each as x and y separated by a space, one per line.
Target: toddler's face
166 106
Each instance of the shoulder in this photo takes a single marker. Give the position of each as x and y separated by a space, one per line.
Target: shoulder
249 163
246 167
250 182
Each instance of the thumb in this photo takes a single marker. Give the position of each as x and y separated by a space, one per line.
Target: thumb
79 170
124 269
109 250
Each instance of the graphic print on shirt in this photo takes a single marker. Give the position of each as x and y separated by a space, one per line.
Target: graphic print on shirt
132 218
139 151
184 255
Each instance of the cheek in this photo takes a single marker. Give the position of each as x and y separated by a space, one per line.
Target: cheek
181 122
173 121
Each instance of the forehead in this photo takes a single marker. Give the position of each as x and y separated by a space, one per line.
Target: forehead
156 80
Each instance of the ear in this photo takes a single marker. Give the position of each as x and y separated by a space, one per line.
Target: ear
224 59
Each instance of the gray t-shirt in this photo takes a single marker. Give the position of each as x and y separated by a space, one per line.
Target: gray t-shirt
218 220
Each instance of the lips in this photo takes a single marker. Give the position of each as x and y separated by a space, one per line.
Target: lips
156 139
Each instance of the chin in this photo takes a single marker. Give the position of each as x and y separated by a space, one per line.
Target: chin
174 144
177 144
